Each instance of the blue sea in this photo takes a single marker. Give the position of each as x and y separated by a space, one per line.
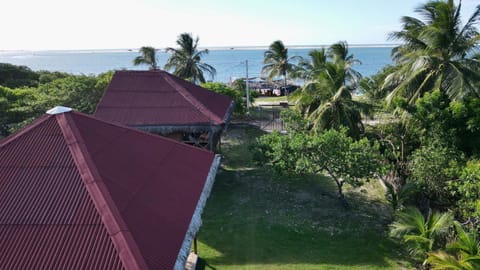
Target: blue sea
230 63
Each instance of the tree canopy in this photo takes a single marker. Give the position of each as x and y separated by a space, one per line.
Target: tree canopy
436 53
186 60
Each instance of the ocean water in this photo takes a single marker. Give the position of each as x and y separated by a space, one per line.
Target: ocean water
229 63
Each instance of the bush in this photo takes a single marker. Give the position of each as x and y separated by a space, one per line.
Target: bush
223 89
433 166
12 76
467 189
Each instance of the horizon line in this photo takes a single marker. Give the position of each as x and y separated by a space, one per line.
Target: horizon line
220 47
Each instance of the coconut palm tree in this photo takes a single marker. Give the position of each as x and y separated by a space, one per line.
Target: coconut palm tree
338 107
309 69
186 61
309 97
148 57
436 53
422 234
340 55
326 98
277 63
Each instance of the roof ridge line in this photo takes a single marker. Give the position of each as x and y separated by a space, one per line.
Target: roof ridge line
197 104
15 135
137 130
128 251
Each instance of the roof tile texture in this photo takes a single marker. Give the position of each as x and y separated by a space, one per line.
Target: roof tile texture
155 98
52 218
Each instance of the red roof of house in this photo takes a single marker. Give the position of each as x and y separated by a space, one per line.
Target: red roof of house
152 98
81 193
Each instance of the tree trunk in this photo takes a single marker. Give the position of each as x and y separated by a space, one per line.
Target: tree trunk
339 183
341 196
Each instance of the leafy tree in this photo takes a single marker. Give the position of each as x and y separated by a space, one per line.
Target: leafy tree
331 152
277 63
467 189
148 57
436 53
223 89
433 166
457 122
421 234
49 76
16 106
186 61
81 93
294 121
13 76
239 85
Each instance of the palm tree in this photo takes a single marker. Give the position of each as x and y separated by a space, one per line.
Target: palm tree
338 107
309 97
464 252
309 70
436 53
277 63
326 98
186 61
422 234
148 57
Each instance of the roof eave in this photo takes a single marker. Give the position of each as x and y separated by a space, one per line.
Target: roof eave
196 221
228 114
166 129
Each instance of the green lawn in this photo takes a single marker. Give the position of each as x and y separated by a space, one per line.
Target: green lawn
271 99
255 219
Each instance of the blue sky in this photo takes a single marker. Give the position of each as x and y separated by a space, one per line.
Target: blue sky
112 24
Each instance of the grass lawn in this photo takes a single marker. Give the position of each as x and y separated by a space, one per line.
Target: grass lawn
271 99
255 219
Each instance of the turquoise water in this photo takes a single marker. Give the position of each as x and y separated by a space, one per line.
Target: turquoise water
229 63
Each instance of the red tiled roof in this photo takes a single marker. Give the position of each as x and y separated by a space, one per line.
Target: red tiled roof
80 193
152 98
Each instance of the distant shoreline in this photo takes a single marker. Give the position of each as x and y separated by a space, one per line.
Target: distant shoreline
213 48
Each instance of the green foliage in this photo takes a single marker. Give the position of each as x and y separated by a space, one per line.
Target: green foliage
81 92
326 98
421 234
277 62
294 121
463 252
186 61
239 85
148 57
433 166
457 122
332 152
19 106
13 76
221 88
49 76
398 198
16 106
436 53
372 87
467 190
